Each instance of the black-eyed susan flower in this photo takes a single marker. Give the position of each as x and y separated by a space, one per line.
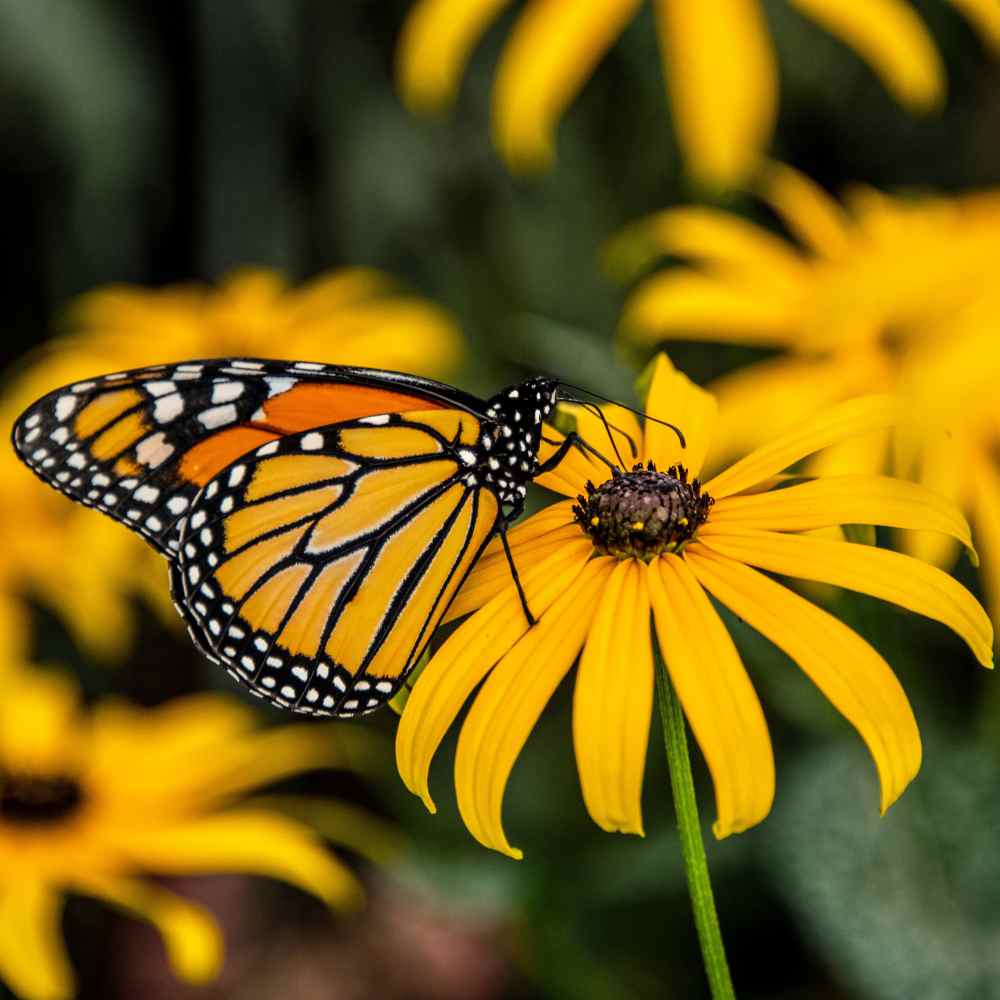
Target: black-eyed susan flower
718 61
880 293
655 545
351 316
92 802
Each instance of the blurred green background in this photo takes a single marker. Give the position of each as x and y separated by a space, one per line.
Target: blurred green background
155 143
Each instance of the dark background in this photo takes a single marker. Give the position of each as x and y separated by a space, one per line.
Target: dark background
155 143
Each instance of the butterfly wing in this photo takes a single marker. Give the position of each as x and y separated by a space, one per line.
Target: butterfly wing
140 445
316 568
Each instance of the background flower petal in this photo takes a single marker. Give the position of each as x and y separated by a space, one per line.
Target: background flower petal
892 39
38 726
986 519
511 700
718 241
468 654
763 400
190 934
551 52
613 702
813 216
673 397
888 575
822 503
716 695
434 46
985 17
852 675
684 304
722 81
855 416
33 960
243 840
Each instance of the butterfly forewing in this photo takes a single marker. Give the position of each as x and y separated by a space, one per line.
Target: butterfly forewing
140 445
316 567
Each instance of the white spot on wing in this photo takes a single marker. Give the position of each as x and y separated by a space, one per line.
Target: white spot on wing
168 408
154 450
65 405
312 442
218 416
226 392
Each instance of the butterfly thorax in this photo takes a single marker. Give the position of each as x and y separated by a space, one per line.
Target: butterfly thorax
508 446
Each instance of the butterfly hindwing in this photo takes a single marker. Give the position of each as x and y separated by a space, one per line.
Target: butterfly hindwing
316 567
140 445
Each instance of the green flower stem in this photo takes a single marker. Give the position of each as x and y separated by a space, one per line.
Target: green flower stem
706 920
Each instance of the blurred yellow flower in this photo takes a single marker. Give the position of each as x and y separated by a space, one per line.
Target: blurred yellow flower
656 542
91 802
720 68
881 294
87 568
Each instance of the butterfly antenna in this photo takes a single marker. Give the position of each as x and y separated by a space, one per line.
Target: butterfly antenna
631 409
596 410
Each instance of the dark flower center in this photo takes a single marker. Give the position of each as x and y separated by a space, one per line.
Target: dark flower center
29 799
643 513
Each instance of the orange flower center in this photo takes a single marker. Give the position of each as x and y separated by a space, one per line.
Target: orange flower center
32 799
643 513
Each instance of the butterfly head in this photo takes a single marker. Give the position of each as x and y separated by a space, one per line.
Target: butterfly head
510 441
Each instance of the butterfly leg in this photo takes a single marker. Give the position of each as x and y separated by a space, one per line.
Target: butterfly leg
513 572
572 440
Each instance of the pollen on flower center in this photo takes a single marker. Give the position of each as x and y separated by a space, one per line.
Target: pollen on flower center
29 799
643 513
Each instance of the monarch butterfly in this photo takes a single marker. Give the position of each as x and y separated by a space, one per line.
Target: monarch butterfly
317 519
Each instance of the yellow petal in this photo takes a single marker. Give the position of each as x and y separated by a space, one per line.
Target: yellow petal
511 700
247 841
401 333
673 397
985 18
613 702
434 46
863 454
719 241
762 400
852 675
468 654
190 934
943 466
38 729
33 961
835 500
551 52
855 416
892 39
492 574
682 304
986 518
723 84
716 695
342 823
815 218
890 576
